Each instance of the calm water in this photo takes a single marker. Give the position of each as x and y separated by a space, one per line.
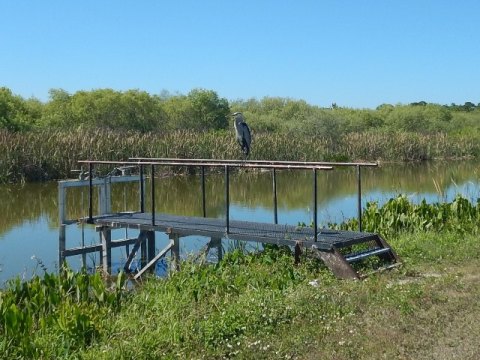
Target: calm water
29 222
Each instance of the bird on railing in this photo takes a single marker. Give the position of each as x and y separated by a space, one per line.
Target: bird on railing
242 132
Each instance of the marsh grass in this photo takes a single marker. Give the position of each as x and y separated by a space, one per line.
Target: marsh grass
52 154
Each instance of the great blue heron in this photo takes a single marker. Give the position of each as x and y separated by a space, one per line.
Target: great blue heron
242 132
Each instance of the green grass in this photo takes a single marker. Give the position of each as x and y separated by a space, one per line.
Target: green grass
259 306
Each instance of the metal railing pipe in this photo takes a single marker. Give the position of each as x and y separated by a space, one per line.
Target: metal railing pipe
142 191
90 192
152 195
227 200
256 162
315 217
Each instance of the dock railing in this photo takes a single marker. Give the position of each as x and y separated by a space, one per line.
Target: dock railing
142 163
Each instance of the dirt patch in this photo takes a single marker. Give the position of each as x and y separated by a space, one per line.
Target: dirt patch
443 323
460 335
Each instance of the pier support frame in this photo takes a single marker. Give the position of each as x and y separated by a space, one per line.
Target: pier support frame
150 245
175 251
106 239
217 244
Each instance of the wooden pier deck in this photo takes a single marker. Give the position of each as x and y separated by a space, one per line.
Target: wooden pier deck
238 230
338 249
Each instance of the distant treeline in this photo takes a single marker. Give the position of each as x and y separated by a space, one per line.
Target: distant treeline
44 141
204 110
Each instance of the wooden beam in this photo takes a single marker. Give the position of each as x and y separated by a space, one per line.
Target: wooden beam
141 237
154 260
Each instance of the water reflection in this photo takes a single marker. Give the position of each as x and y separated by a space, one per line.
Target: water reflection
29 221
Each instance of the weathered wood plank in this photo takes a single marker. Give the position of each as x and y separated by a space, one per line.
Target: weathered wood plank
155 259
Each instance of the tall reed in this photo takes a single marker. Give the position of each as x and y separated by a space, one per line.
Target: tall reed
52 154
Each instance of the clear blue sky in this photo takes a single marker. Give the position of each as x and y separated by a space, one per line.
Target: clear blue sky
356 53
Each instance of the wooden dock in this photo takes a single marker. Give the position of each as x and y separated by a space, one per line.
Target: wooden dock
338 249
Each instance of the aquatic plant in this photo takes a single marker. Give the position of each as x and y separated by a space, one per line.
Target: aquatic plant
400 215
71 306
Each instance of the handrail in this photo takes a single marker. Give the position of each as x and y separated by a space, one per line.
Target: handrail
221 162
259 162
209 163
265 164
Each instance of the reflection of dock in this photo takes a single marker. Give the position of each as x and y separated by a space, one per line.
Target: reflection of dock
338 249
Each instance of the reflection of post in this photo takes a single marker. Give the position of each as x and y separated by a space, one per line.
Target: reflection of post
204 207
175 251
217 243
106 236
275 210
105 197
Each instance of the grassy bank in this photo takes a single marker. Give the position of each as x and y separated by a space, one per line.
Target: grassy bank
52 154
262 306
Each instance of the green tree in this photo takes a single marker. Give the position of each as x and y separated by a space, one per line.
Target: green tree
16 113
423 119
105 108
57 112
200 109
210 111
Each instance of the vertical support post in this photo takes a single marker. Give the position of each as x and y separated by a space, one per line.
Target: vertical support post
175 251
298 252
61 246
153 194
359 200
143 252
150 245
90 193
142 191
106 235
315 219
227 200
204 208
219 250
217 243
62 229
275 209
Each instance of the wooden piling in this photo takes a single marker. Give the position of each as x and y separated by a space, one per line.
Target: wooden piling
175 251
106 237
